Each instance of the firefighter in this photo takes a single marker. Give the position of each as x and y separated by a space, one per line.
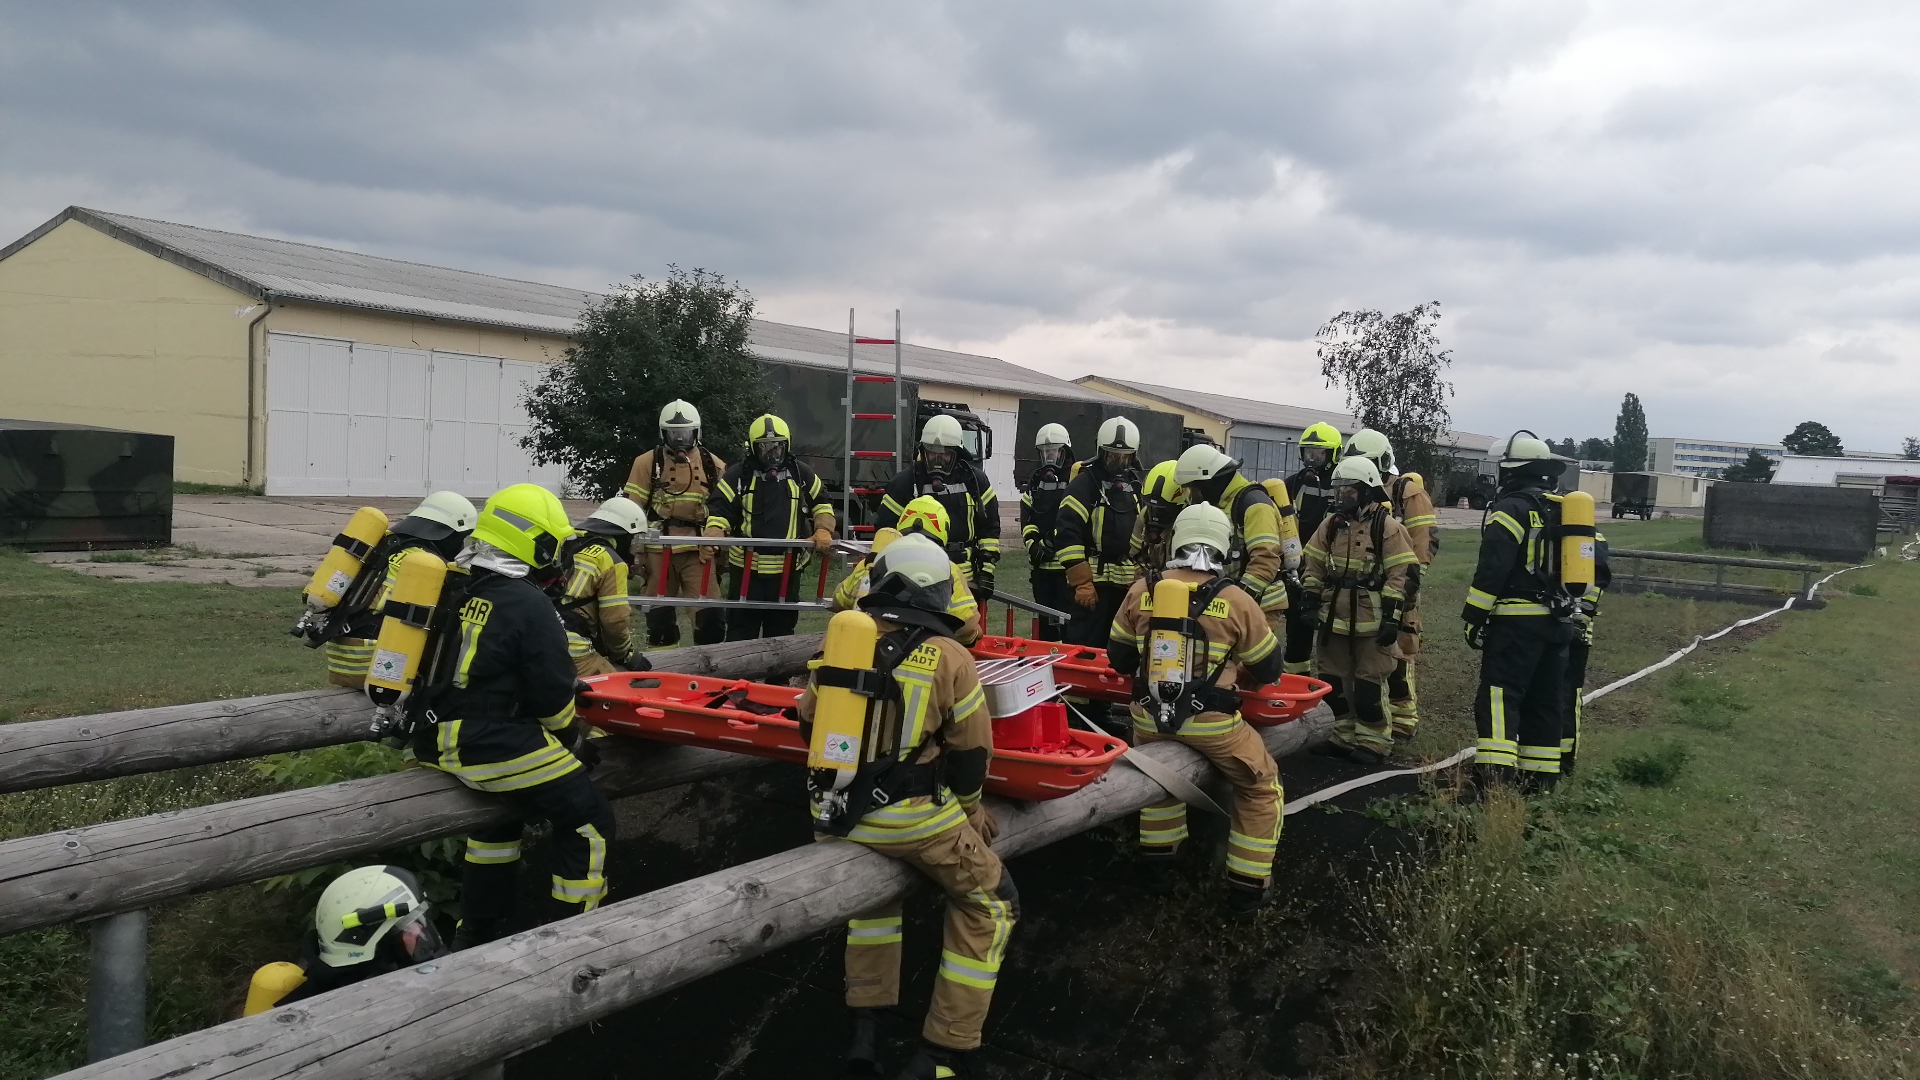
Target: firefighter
1161 500
369 921
1222 636
1586 609
1522 621
505 716
943 469
1257 558
1093 535
772 495
1311 489
1355 584
927 517
441 523
593 598
1408 498
937 739
673 481
1039 507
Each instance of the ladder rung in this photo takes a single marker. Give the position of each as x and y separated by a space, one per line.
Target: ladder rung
873 341
869 491
873 378
873 416
888 454
869 529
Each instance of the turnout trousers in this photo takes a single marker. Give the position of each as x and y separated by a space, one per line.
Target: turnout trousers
1090 628
1298 657
521 762
1050 589
684 577
348 661
1358 670
982 908
1254 831
1572 707
745 624
1517 712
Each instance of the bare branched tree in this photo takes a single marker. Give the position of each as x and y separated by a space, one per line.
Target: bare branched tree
1393 371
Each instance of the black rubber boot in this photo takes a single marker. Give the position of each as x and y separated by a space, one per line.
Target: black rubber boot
663 628
1158 873
1332 749
473 932
863 1053
1367 756
932 1062
1245 903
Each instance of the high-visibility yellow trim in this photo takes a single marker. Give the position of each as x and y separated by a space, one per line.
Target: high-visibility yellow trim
1480 598
487 853
1506 521
968 972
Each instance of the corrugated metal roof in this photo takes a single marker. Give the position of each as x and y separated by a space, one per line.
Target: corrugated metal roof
262 267
1243 410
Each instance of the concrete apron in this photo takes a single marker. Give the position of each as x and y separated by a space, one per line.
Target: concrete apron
242 540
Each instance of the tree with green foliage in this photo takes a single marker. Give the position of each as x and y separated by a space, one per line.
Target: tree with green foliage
1630 436
1393 371
1812 439
1757 469
1566 447
642 345
1910 447
1596 450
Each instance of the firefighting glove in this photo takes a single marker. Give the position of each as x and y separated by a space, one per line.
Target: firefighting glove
1039 552
706 553
1389 624
983 580
822 539
576 737
1308 605
1475 621
983 822
637 662
1080 576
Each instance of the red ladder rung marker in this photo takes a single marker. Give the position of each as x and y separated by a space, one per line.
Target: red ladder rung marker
873 341
888 454
873 378
873 416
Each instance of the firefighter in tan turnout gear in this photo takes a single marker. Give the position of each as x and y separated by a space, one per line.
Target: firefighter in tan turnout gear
1188 632
673 482
1408 498
898 744
593 600
1266 541
1355 586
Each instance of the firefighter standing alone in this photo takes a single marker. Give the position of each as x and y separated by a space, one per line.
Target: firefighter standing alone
1311 491
917 797
1093 533
673 482
1355 582
1187 632
942 468
771 495
1039 509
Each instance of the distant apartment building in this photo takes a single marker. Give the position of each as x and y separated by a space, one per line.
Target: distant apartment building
1703 457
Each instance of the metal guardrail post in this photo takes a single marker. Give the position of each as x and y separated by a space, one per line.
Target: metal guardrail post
117 991
1719 582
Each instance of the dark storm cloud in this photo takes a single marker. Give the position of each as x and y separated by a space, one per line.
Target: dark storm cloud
1675 198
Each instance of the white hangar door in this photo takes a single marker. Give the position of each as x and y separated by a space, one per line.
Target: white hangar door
348 418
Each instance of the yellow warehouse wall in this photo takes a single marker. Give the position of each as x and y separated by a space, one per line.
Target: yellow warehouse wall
94 331
414 332
1215 428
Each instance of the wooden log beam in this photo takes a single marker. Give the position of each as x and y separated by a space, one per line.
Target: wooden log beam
46 753
120 866
463 1011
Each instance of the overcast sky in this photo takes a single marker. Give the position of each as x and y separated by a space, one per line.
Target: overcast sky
1715 205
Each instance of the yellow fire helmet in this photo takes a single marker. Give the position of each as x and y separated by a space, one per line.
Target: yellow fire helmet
527 522
1162 485
1321 437
925 514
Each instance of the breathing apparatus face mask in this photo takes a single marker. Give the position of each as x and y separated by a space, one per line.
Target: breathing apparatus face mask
1055 455
678 440
1201 557
1317 456
1348 498
1115 461
939 460
770 453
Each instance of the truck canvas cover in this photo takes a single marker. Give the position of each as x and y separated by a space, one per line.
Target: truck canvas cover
67 487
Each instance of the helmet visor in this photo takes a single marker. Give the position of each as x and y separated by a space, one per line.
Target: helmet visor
416 939
770 452
1116 460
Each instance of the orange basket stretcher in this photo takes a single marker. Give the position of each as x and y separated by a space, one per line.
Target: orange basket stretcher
1086 672
760 719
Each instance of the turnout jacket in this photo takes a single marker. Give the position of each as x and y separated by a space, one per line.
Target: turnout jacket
946 721
1237 633
1311 490
594 606
675 487
1039 508
1414 507
963 606
1095 524
1256 529
1519 568
973 531
787 503
1354 566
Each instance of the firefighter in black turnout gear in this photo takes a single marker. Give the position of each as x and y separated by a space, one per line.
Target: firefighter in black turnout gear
499 714
1039 508
1311 490
1520 617
1093 535
774 495
943 469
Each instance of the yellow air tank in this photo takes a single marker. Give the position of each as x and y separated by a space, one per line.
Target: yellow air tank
840 738
1576 543
344 559
272 983
1168 662
1289 523
403 631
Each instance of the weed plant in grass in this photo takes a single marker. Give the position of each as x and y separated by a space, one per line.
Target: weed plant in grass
1506 957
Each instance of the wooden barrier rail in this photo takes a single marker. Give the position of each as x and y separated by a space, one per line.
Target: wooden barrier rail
464 1011
1636 580
47 753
